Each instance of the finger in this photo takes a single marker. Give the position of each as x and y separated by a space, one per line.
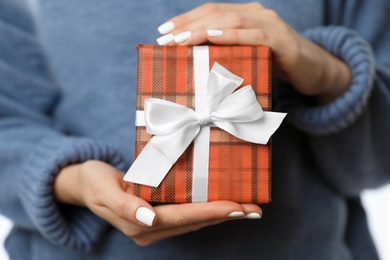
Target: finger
196 32
191 213
127 227
252 211
238 37
189 17
193 33
148 235
188 37
223 20
125 205
180 218
179 225
132 208
203 11
154 236
222 37
284 46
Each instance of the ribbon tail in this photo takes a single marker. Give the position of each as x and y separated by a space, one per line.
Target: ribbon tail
258 131
271 121
158 156
150 167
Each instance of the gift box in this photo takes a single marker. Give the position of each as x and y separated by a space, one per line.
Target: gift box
216 165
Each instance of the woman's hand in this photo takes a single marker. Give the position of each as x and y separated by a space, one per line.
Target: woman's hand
310 69
100 187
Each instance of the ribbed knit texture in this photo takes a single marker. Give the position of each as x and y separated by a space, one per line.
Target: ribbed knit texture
351 48
28 94
341 113
79 228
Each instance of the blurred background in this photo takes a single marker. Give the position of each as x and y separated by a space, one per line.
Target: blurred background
375 202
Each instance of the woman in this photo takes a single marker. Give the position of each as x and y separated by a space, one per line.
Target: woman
66 129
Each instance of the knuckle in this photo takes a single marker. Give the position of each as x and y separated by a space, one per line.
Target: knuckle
260 36
235 34
194 227
255 6
119 207
202 28
94 196
142 241
214 15
236 20
132 233
294 47
87 165
292 43
180 221
271 14
209 7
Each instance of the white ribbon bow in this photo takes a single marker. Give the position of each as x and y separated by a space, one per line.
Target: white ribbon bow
175 126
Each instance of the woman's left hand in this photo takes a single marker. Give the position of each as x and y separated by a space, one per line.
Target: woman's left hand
310 69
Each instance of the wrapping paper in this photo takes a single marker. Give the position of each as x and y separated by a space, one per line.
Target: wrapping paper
238 170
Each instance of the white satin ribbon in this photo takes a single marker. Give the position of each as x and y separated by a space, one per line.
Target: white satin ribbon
201 153
175 126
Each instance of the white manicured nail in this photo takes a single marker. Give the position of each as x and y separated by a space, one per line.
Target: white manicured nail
166 27
214 32
253 215
236 214
164 40
181 37
145 216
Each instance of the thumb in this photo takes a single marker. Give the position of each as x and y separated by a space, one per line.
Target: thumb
112 197
127 206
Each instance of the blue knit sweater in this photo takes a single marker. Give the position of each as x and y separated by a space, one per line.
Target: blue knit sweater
67 95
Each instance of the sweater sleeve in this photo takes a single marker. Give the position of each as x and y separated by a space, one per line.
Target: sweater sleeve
341 113
32 150
349 137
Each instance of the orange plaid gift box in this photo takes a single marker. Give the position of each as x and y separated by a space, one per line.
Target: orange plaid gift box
199 135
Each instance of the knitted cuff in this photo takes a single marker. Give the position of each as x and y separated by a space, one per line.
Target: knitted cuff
345 110
81 228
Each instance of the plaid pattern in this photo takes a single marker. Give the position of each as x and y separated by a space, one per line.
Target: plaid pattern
238 170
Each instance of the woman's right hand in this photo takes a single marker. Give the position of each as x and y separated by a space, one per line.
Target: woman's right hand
311 70
99 186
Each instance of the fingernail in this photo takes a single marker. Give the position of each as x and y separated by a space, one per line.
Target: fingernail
166 27
236 214
164 40
181 37
214 32
145 216
253 215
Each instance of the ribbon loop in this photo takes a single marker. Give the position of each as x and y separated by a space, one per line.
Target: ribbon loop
175 126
